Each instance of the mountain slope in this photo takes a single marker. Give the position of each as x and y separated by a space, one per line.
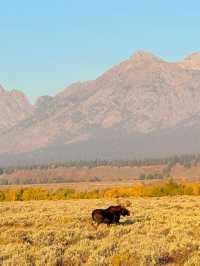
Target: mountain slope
14 107
191 62
142 97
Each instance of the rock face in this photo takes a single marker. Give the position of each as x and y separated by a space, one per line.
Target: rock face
14 107
191 62
142 96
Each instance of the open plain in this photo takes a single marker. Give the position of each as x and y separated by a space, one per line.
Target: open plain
159 231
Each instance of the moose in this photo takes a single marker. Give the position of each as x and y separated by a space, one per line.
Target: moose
110 215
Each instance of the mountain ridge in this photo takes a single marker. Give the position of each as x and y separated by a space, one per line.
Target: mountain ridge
141 95
14 107
191 62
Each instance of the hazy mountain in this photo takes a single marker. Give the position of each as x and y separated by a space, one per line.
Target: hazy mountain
140 107
191 62
14 107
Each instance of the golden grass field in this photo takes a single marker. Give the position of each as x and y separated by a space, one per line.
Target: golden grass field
160 231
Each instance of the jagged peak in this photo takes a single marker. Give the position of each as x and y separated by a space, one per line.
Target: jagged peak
19 96
191 62
194 56
17 93
142 55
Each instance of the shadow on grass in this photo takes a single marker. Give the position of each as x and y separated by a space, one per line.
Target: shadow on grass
128 222
103 225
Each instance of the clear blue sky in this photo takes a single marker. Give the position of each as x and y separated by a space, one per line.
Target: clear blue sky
47 44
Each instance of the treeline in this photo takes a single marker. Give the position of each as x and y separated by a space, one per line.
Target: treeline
154 176
12 180
187 160
169 188
6 180
55 172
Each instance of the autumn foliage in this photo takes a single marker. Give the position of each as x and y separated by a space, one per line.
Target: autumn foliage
169 188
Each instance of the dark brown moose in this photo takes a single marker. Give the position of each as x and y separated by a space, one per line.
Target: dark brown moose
110 215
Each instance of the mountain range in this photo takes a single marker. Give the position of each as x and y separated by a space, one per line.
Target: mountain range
143 107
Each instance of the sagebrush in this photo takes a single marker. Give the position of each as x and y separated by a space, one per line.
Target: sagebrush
159 231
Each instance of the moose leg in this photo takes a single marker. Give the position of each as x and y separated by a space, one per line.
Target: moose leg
116 218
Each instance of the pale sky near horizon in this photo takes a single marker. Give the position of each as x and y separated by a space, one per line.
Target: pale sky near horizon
46 45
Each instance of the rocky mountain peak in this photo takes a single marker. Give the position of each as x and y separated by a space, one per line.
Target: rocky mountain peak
14 107
194 57
191 62
18 94
142 55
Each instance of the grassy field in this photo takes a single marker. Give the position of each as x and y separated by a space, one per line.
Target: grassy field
160 231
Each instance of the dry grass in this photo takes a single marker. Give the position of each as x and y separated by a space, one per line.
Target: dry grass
160 231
